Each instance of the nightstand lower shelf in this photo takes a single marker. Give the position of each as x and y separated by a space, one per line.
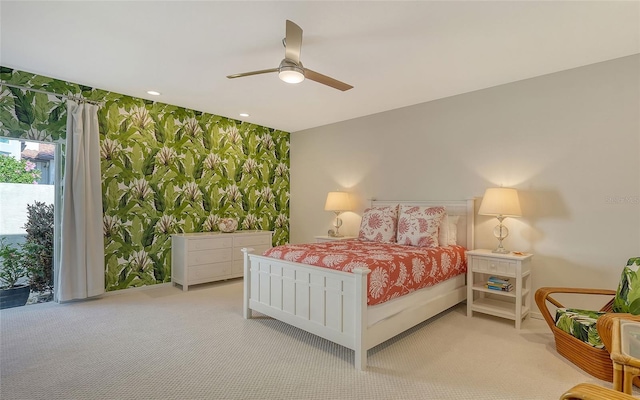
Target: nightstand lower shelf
498 308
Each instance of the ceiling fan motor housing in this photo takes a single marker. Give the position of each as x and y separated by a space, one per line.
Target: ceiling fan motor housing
291 72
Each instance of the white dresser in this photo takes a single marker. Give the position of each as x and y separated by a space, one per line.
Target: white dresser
212 256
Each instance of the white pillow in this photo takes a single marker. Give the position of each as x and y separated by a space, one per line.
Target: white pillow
448 231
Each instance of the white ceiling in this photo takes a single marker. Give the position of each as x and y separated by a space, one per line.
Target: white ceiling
394 53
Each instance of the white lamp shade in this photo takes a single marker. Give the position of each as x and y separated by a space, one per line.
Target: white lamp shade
337 201
500 201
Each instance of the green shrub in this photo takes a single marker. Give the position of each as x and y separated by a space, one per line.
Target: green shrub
38 247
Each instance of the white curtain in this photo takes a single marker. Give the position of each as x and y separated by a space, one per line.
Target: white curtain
81 269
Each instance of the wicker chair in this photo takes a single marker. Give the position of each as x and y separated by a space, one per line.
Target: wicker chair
588 391
596 362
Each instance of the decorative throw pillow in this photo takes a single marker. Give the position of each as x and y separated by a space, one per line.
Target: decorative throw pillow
448 231
379 224
418 226
627 298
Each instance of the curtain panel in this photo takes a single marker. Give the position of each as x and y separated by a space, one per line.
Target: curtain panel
81 270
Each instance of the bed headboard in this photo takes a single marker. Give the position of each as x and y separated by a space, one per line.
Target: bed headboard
464 208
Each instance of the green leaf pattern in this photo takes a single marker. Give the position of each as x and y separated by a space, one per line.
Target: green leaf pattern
581 324
627 299
165 169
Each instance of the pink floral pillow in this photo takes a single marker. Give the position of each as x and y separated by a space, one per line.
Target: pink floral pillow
379 224
418 226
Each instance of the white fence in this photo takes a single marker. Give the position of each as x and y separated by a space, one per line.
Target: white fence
14 198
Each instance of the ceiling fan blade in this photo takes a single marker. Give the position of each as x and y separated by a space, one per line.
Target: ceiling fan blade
293 42
325 80
262 71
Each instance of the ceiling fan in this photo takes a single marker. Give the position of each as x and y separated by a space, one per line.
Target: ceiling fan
291 69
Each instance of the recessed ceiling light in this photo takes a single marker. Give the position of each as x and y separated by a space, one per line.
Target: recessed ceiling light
153 93
244 114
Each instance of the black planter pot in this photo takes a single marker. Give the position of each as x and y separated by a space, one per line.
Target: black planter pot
14 297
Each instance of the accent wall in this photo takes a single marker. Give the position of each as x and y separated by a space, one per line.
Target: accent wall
165 169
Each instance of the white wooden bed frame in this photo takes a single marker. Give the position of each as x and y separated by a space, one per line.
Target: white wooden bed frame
333 304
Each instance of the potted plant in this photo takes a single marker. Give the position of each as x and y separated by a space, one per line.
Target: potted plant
13 293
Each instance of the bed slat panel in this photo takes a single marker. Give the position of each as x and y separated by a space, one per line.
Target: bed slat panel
302 294
317 300
334 300
289 291
264 277
276 287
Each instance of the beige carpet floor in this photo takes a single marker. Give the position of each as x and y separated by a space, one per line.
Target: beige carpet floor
163 343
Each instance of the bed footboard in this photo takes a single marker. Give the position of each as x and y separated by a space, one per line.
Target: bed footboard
328 303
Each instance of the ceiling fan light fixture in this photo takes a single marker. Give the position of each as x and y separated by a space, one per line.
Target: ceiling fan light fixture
291 69
291 74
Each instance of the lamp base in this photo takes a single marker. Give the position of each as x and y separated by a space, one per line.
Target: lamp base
337 224
500 232
501 250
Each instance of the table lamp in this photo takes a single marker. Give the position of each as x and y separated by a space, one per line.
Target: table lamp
337 202
500 202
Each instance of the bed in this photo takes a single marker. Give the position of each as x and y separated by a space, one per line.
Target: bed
332 303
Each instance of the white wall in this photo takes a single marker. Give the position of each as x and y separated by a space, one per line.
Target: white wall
569 142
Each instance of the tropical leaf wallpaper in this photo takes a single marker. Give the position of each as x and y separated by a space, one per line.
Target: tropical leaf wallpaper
165 169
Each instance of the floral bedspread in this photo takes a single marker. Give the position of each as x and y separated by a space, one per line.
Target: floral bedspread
395 269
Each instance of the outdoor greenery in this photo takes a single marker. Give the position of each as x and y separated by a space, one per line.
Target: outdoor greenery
34 258
165 170
38 248
17 171
12 268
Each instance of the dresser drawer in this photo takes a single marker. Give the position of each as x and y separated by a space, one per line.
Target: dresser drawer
493 266
205 272
206 243
208 256
253 241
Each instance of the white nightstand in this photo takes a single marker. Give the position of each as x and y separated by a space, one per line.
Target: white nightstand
514 305
320 239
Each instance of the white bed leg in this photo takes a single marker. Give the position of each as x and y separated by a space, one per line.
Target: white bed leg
247 283
361 318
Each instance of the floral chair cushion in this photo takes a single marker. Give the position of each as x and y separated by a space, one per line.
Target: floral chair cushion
580 324
627 298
